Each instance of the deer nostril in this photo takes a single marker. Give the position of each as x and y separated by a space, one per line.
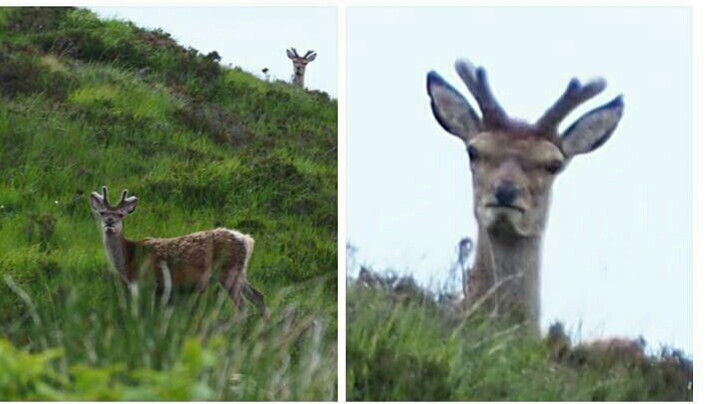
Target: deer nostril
506 193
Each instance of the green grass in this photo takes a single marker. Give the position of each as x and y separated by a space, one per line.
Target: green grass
406 348
202 146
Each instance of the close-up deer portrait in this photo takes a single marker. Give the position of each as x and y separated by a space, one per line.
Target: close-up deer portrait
514 164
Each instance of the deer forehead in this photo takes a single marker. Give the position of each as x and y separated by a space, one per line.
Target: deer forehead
106 212
503 144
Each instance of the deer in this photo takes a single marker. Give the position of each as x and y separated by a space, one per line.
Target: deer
300 63
514 164
608 351
186 262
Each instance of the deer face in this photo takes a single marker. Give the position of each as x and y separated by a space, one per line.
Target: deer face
109 217
512 179
300 66
300 62
514 163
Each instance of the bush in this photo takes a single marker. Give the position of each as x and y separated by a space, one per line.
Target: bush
27 376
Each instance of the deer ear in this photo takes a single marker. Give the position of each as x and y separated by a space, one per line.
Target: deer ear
129 205
593 129
96 201
311 57
288 53
451 109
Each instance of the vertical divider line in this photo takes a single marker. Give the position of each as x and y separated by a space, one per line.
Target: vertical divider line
342 44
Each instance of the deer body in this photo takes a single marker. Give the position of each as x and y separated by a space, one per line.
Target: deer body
513 165
300 63
189 258
180 263
607 351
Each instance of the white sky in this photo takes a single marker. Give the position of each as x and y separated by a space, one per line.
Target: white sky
617 256
249 37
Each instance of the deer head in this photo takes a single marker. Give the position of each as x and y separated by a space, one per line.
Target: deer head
300 63
109 217
514 163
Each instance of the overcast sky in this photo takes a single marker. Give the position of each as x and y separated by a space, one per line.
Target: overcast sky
250 37
617 253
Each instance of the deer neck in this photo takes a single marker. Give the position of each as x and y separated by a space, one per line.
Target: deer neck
117 249
298 80
511 267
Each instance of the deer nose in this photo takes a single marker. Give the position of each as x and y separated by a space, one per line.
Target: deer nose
506 193
109 222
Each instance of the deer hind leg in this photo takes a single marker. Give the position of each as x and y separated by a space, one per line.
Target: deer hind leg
230 282
255 297
237 286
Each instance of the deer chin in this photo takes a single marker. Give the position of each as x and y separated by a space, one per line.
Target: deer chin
506 221
496 207
109 230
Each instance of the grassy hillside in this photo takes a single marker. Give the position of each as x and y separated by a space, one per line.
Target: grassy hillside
403 345
87 102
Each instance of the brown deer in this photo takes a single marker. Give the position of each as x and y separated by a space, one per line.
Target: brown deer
610 351
514 164
300 63
186 262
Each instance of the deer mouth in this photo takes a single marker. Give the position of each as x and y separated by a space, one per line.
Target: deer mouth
501 206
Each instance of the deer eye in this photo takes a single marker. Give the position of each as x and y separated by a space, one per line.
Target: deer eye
472 153
554 167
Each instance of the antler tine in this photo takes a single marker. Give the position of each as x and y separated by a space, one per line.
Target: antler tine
477 83
573 96
124 196
105 198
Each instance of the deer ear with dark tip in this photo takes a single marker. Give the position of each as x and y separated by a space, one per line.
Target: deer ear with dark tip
593 129
311 57
451 109
96 201
129 205
288 53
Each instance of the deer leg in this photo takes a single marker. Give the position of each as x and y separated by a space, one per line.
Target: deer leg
237 286
163 297
256 297
230 282
163 288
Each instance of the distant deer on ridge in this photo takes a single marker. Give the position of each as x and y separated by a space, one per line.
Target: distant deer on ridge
300 63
